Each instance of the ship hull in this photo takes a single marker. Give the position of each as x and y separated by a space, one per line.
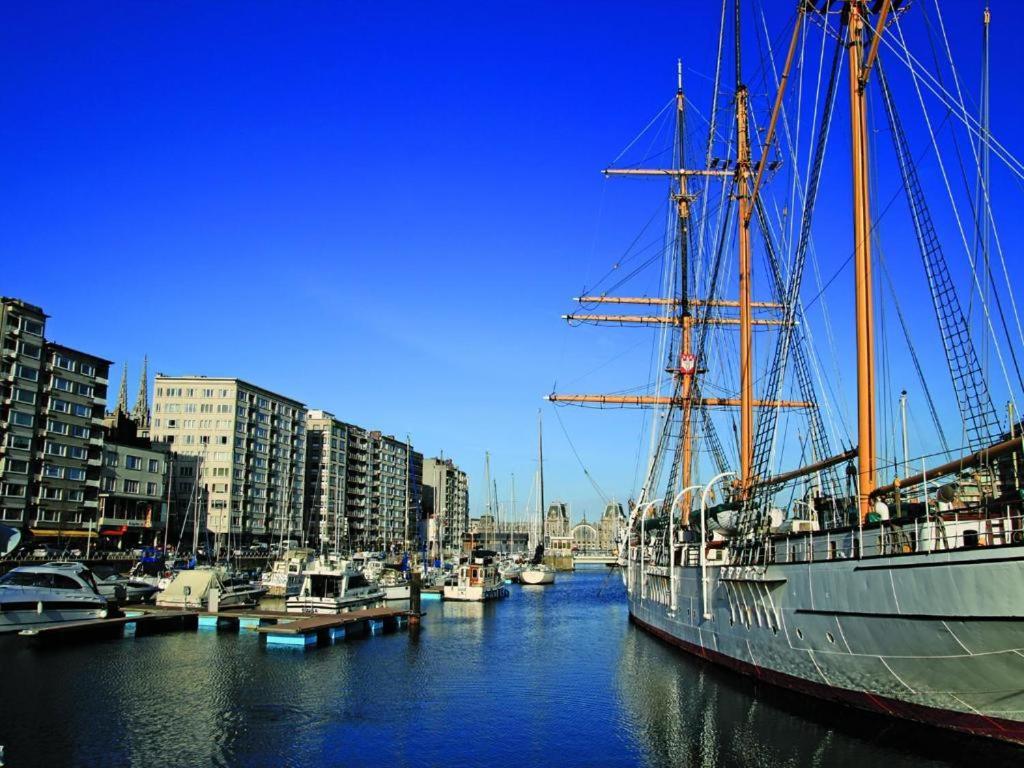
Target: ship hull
935 638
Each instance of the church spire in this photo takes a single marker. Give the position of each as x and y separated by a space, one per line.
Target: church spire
122 393
140 413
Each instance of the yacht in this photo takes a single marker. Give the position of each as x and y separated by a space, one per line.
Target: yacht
284 578
34 596
194 588
395 584
124 589
476 580
537 572
333 586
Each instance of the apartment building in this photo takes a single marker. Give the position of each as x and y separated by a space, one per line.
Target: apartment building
241 453
133 490
446 509
396 480
326 471
51 421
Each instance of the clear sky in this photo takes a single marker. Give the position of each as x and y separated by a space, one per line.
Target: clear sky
380 209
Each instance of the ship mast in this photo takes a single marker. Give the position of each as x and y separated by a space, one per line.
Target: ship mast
860 68
686 347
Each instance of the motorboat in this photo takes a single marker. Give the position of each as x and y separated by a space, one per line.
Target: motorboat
395 584
334 586
209 588
476 580
510 570
35 596
124 589
284 578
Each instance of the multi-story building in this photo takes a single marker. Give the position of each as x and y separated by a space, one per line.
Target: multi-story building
133 490
70 428
446 504
357 486
22 326
326 466
396 480
240 450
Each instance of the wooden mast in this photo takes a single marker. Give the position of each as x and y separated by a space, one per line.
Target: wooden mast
686 347
745 292
866 422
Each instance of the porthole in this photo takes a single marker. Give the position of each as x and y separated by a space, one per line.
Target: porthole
800 633
828 636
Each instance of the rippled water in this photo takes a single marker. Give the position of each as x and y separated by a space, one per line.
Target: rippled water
549 676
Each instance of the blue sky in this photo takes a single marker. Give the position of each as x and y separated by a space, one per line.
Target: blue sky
380 209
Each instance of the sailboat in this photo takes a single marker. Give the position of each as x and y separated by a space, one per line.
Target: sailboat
845 574
537 572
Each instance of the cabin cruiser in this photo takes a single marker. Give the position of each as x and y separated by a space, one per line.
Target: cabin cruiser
395 584
333 586
369 564
34 596
284 578
209 588
477 579
124 589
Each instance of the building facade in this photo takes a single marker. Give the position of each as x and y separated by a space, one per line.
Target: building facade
133 484
446 517
51 421
241 452
326 471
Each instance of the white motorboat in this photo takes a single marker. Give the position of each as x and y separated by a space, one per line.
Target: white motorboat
395 585
34 596
284 578
195 588
126 589
475 580
510 570
334 586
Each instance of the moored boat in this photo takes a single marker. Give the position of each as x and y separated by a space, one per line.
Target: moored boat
475 580
35 596
334 586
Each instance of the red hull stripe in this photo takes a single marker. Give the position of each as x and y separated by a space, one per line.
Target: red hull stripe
979 725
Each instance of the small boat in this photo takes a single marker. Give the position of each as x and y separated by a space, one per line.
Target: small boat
476 580
284 578
537 572
510 570
395 584
33 596
194 588
124 589
333 586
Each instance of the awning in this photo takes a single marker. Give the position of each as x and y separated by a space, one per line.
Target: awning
120 530
53 533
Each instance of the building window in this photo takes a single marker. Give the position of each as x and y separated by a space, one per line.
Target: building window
133 462
82 432
107 483
32 326
21 442
62 384
22 419
53 494
30 350
52 470
85 390
17 465
60 406
63 361
154 465
56 449
25 372
83 410
172 423
130 486
151 489
76 495
75 473
111 459
25 396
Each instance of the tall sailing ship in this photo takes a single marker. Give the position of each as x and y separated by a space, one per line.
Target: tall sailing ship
860 575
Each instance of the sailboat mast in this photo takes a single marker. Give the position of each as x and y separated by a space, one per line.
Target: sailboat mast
743 169
687 367
540 464
866 424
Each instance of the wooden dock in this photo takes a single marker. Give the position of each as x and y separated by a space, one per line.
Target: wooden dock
316 629
98 629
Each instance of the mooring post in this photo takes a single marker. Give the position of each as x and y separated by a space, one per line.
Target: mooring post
414 598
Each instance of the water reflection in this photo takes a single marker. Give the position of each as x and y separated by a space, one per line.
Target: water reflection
690 713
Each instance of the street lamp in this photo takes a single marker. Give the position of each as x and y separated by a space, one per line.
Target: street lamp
672 546
703 543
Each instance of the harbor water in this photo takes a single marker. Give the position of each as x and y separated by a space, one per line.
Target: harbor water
549 676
